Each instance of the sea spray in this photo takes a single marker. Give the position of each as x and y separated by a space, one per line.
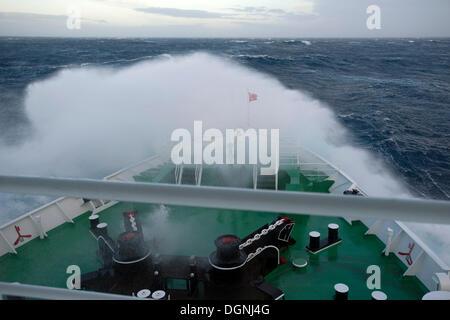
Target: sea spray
158 227
91 122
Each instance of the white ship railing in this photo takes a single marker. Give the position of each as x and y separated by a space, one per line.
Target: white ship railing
376 213
40 292
235 198
38 222
422 262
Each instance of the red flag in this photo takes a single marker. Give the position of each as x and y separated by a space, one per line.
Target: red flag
252 97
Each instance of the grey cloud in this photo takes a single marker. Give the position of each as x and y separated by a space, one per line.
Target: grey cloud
40 18
266 12
280 11
94 20
346 18
249 9
30 16
181 13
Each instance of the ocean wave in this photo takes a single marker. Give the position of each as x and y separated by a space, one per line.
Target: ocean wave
259 56
165 56
127 60
436 184
349 115
117 61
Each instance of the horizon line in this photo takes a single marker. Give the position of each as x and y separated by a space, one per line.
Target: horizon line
231 37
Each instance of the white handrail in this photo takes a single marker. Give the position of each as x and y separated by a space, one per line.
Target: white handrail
417 210
40 292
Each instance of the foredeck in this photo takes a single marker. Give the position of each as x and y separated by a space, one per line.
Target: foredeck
192 231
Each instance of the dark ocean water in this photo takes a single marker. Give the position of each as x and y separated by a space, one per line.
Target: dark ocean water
393 95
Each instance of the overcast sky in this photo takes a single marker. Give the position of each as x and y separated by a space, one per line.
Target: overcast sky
223 18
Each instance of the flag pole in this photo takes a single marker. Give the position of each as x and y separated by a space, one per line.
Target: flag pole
248 109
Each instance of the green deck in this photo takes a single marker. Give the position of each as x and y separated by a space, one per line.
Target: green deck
192 231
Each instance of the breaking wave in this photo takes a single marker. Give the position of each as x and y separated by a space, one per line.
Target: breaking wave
89 122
